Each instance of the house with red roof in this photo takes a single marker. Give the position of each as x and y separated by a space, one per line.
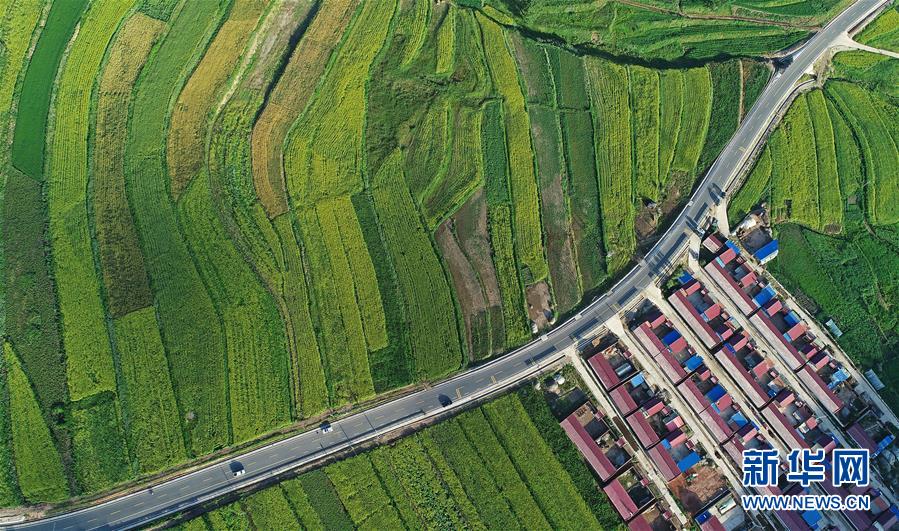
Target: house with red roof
708 320
603 449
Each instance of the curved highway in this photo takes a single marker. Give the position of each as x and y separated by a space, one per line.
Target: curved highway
216 480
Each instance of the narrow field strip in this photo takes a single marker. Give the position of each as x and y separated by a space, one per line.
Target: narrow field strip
612 133
30 135
124 276
256 346
429 306
88 354
522 180
154 429
38 465
322 155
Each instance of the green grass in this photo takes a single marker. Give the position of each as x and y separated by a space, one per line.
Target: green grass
694 121
500 221
34 104
31 316
229 518
586 230
755 77
656 30
725 112
9 488
547 136
481 488
671 104
324 498
158 9
148 401
361 492
38 465
89 361
753 190
874 71
390 366
19 21
496 162
546 478
191 329
568 71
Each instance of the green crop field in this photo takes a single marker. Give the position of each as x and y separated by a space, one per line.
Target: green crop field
227 219
833 200
883 32
489 467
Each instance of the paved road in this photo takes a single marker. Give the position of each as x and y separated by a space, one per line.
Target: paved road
216 480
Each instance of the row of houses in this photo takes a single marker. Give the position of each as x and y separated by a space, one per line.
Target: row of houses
608 453
659 431
829 382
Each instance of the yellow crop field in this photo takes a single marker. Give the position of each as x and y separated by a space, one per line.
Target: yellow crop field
290 96
121 261
324 149
186 141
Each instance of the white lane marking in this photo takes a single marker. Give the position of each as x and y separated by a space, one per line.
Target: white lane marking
208 479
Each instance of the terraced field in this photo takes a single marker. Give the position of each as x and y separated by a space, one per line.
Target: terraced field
500 466
223 219
832 197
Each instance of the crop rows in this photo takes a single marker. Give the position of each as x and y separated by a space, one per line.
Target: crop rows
487 468
288 99
321 157
124 275
340 329
432 323
191 328
522 181
824 174
38 465
252 214
29 138
186 150
883 32
88 354
612 133
446 43
23 270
